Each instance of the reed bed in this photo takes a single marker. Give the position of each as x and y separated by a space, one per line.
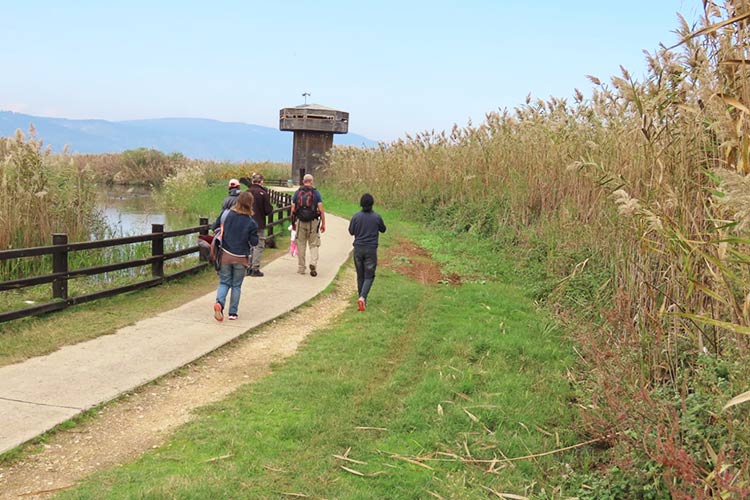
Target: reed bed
640 193
41 194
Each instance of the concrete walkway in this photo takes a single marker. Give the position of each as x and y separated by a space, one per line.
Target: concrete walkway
40 393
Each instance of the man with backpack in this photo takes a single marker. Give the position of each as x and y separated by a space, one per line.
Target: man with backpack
309 220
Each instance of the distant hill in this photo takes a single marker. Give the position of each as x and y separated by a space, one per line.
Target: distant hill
194 137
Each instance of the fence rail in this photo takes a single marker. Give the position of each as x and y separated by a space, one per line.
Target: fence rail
61 249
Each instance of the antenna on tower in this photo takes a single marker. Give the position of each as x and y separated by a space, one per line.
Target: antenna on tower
305 95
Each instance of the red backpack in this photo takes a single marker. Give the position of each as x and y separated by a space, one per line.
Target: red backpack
305 207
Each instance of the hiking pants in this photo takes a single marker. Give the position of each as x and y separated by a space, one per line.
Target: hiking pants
365 262
308 233
258 250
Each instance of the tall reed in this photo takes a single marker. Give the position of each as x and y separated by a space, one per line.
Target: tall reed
645 182
42 194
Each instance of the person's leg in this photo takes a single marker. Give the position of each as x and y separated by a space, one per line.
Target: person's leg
237 276
225 282
258 252
303 231
313 239
370 264
359 266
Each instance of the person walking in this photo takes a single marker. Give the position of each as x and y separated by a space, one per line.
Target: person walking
228 202
239 233
309 220
262 208
366 227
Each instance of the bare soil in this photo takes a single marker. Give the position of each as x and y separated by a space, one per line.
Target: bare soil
408 259
143 419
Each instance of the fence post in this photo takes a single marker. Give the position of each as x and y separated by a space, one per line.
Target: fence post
60 265
157 249
269 229
202 255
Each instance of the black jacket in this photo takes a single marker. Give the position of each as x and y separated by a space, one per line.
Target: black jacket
262 207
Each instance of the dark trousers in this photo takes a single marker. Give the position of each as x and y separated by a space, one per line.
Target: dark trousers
365 262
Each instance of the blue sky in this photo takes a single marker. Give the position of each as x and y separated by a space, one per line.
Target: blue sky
396 66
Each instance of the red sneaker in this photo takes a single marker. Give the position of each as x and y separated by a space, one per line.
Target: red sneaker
218 313
360 304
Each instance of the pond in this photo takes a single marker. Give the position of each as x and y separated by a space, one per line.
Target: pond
130 211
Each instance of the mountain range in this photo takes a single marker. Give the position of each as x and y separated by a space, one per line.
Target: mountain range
196 138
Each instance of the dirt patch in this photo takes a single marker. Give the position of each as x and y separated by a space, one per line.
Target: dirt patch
144 419
413 261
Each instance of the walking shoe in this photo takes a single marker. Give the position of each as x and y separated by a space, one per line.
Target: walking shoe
256 273
360 304
313 272
218 312
232 317
301 271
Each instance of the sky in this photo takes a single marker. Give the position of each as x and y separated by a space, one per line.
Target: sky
398 67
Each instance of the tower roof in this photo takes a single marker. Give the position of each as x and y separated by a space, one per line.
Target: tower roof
314 118
316 106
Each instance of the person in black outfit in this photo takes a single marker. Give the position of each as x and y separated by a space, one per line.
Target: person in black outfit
262 208
366 227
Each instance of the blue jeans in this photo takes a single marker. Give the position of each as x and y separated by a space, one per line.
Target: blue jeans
365 262
230 277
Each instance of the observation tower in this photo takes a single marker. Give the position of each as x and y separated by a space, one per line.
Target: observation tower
313 126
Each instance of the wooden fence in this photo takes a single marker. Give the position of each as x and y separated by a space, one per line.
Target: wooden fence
61 274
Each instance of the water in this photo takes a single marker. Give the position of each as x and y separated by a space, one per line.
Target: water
130 211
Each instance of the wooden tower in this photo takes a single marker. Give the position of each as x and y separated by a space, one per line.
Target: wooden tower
313 126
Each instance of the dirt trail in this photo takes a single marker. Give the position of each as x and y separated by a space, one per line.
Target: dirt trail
143 419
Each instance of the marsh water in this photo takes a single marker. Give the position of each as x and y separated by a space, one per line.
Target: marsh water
130 211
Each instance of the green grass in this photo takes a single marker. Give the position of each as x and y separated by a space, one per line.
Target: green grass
471 371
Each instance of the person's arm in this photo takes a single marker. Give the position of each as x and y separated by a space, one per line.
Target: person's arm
268 206
253 236
216 224
322 218
381 224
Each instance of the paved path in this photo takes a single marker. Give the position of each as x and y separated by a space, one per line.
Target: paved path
42 392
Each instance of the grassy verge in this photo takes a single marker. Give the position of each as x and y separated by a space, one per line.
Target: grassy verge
428 393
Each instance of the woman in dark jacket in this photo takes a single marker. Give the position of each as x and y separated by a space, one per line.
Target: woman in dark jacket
239 234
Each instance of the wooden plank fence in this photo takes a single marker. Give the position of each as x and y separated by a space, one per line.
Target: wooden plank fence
61 248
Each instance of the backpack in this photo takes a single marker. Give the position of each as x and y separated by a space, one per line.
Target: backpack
306 208
216 249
